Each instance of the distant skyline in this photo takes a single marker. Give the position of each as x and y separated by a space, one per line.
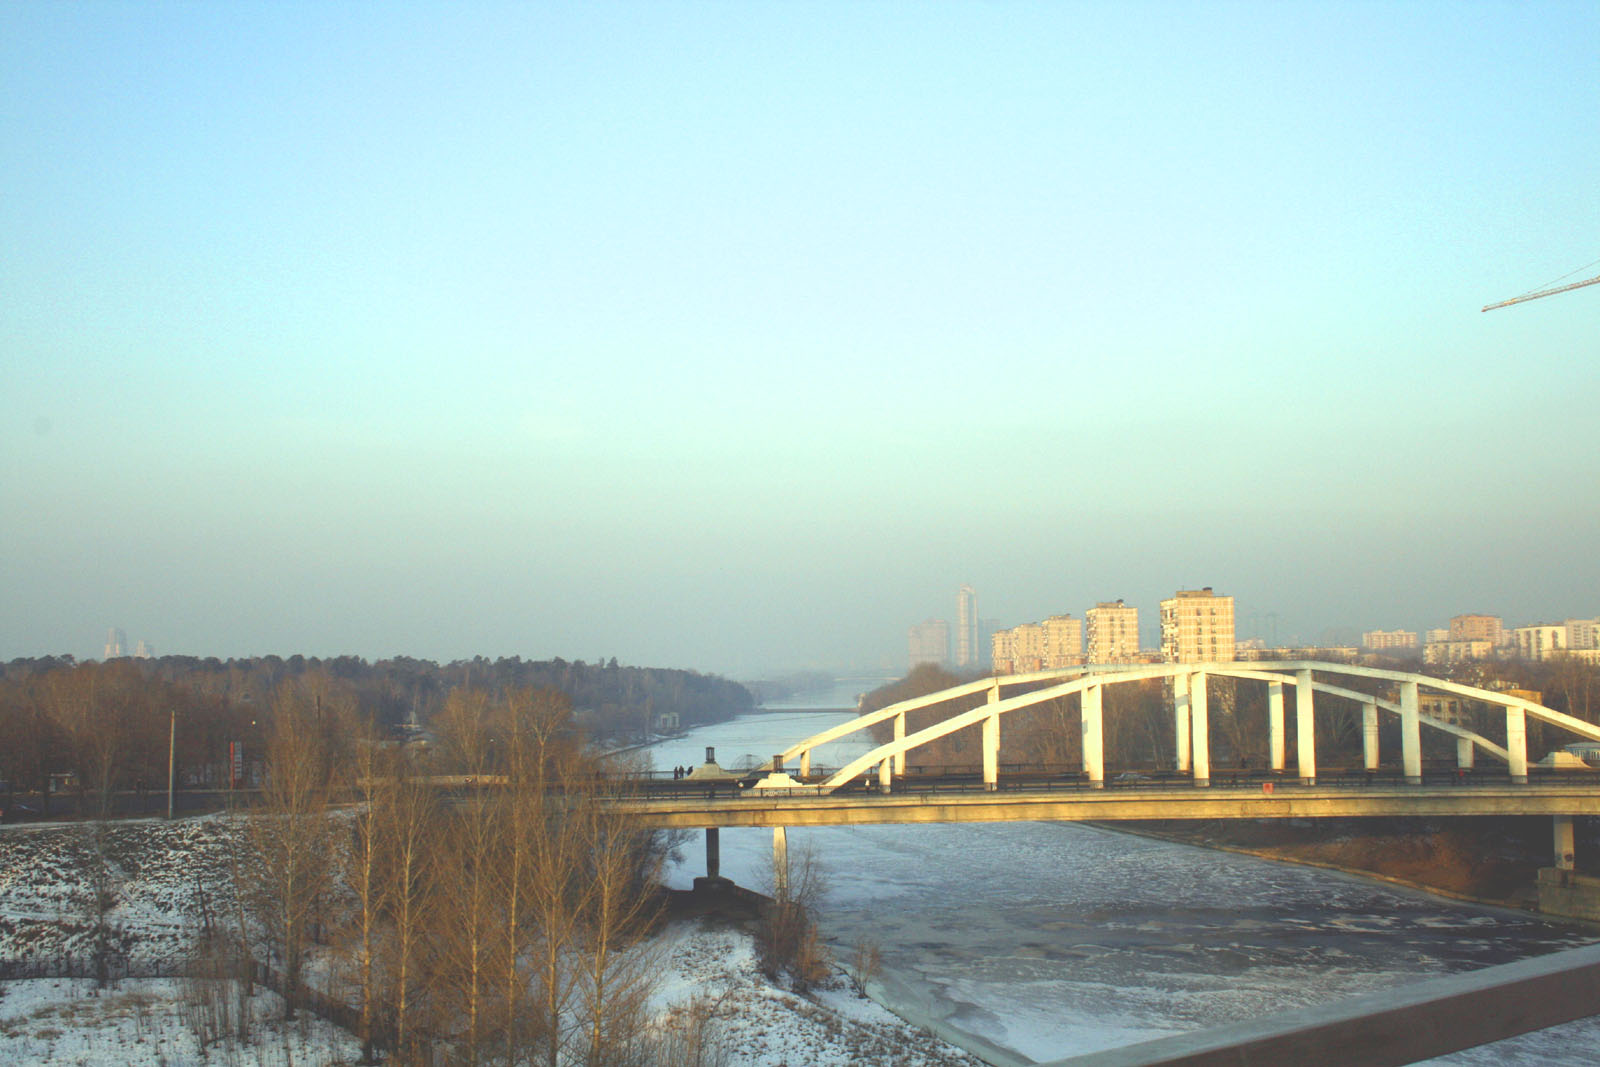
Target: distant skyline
737 337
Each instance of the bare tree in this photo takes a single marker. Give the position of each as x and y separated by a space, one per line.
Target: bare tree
788 941
291 835
406 823
623 864
473 845
363 877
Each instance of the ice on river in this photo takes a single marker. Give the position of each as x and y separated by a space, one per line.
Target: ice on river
1042 940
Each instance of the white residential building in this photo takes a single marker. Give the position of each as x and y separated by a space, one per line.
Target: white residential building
1113 630
1197 627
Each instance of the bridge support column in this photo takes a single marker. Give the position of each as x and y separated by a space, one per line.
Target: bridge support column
1565 849
1465 753
1094 752
885 775
713 853
1275 724
1369 735
805 763
1305 729
1180 717
1517 743
900 735
780 862
991 752
1200 728
1410 733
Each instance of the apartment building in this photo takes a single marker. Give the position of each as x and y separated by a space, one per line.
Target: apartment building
1478 628
1063 641
1541 640
1197 627
1113 631
1383 640
1445 653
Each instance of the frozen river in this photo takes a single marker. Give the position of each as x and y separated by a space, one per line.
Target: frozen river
1032 941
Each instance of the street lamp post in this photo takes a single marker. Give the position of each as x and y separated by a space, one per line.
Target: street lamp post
172 752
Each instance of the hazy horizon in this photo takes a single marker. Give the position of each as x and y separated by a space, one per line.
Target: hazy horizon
736 337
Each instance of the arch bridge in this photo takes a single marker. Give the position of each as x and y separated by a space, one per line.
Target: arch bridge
1191 718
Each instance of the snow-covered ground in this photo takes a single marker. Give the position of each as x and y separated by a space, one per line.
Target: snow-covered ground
165 877
705 967
142 1023
764 1026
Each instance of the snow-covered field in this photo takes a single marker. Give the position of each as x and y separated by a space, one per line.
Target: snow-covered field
142 1023
163 877
166 875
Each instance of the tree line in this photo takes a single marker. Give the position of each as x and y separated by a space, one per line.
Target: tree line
108 723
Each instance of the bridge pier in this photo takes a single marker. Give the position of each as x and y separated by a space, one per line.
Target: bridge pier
805 762
1517 743
1180 717
1200 729
1410 733
1465 753
780 862
885 775
1566 849
1275 725
713 853
1094 755
1305 729
900 735
1369 735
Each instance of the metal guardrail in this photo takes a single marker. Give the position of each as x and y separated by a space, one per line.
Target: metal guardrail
1390 1027
1165 782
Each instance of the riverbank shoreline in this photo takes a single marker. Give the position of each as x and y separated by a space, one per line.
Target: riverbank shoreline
1387 853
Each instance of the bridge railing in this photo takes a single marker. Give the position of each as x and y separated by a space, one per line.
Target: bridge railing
967 780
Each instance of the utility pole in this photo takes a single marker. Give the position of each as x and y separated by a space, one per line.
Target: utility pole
172 752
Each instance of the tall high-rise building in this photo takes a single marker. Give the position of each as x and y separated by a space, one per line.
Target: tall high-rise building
929 642
966 627
1063 641
1113 632
1197 627
116 643
1478 628
144 651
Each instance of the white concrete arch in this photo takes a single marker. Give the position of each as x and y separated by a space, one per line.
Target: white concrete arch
1460 732
1191 718
897 711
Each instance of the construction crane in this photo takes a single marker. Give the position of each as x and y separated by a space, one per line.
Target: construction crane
1547 292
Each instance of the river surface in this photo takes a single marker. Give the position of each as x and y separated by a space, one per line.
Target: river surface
1033 941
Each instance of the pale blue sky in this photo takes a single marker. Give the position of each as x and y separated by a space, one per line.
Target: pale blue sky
736 336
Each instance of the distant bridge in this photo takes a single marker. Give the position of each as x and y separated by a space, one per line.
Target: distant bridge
778 800
1191 725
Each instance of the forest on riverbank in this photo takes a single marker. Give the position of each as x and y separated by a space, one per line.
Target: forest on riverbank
99 728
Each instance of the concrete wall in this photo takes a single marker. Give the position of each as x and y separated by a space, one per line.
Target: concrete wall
1569 894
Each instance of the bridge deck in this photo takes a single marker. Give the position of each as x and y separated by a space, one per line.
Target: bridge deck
1285 802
